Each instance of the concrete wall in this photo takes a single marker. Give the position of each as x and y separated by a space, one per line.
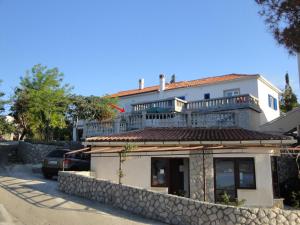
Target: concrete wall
169 208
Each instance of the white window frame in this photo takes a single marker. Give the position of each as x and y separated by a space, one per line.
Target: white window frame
232 92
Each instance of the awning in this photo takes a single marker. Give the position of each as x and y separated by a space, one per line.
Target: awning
78 151
142 149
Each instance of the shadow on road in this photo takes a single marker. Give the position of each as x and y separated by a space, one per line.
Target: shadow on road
35 190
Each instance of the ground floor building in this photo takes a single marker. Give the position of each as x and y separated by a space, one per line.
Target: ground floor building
203 164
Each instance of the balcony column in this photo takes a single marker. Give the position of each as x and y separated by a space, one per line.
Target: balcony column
117 125
85 127
144 119
189 119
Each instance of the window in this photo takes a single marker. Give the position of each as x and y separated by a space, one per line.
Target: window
207 96
181 97
231 92
272 102
159 172
246 173
232 174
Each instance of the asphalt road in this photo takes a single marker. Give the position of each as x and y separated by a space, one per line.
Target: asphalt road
32 200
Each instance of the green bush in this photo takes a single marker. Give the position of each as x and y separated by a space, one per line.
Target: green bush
227 200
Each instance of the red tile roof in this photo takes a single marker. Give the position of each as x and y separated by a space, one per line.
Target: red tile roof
184 84
187 134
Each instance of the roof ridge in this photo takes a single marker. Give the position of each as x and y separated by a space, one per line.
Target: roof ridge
183 84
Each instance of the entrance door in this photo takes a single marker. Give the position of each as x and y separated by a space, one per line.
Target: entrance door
176 182
225 179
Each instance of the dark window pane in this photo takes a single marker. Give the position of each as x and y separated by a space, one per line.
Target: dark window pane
159 172
207 96
270 100
246 173
225 179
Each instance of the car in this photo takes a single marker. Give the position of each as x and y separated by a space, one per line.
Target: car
58 160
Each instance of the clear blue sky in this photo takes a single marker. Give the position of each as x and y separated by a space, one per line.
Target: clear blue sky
106 46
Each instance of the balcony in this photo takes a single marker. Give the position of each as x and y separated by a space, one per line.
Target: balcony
217 112
166 105
225 103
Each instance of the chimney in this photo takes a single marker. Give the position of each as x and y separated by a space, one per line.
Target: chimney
141 83
173 79
162 82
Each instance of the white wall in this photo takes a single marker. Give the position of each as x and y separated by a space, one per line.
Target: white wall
263 91
263 194
106 168
255 86
137 170
246 86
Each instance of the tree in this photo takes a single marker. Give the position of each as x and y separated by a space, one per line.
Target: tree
5 126
91 108
2 102
288 99
283 19
40 103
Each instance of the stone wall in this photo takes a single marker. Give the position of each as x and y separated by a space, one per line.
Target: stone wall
196 177
8 150
169 208
33 153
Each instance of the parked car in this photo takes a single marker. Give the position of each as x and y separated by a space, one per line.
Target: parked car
55 161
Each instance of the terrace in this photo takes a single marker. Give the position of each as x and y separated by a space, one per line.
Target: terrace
175 112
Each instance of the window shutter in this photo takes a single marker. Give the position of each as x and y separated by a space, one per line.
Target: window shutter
275 103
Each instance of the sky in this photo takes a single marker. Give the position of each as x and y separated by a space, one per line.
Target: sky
106 46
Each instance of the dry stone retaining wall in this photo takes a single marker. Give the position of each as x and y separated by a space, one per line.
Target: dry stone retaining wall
34 153
169 208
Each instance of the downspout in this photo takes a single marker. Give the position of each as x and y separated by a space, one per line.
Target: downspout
120 168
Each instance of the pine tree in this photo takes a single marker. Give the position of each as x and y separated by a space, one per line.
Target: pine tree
288 99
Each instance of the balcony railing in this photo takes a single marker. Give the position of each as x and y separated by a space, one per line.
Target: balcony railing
96 128
224 103
217 112
166 105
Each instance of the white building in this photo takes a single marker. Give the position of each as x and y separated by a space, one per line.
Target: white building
233 100
193 138
198 163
